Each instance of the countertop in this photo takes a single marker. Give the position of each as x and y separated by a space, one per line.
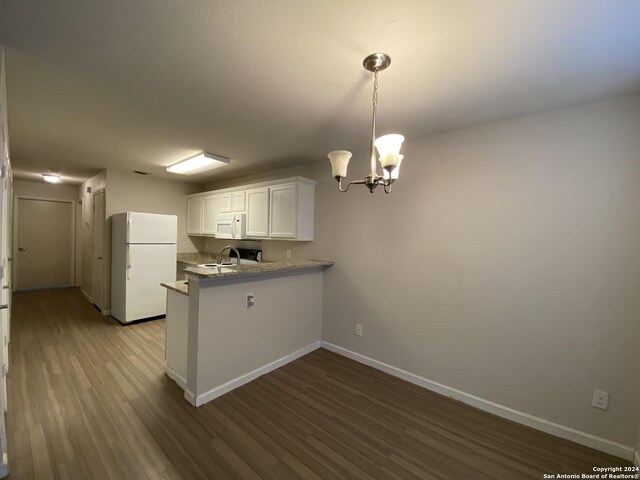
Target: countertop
246 271
258 268
181 286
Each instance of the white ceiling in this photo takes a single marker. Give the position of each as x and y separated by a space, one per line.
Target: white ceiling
139 85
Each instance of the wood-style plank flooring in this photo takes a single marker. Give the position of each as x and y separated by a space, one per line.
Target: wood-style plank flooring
88 398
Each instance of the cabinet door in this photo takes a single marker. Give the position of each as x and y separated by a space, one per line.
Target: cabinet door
258 213
225 203
238 202
283 209
210 208
194 216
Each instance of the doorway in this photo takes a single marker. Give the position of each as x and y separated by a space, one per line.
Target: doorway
97 262
44 247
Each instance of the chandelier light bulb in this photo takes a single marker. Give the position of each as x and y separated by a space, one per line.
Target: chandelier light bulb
395 173
388 147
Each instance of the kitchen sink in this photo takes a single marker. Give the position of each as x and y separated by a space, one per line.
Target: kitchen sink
219 267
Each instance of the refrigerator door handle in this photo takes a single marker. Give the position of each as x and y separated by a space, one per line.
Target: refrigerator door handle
233 226
128 265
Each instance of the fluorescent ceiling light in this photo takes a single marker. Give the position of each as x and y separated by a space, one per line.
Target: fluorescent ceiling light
200 163
51 177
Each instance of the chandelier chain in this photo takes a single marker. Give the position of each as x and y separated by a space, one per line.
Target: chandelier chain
374 97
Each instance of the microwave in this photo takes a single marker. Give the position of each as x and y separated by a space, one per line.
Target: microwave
231 225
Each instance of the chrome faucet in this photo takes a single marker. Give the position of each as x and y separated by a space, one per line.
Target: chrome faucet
229 247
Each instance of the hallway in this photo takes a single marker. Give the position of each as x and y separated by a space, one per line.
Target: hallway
88 398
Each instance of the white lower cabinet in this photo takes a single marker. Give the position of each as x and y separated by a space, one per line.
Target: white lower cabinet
258 213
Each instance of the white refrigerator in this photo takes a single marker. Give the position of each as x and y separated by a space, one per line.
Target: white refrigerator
143 254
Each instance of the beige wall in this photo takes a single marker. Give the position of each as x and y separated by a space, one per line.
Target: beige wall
138 193
23 188
504 264
131 192
127 191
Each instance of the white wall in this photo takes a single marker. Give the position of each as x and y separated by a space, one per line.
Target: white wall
226 340
504 264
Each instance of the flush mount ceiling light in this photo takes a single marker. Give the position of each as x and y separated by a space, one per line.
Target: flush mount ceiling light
199 163
51 177
388 146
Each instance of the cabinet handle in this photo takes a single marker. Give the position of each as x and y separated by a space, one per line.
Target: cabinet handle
22 249
4 307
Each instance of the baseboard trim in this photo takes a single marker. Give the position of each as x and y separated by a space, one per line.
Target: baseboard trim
190 397
105 312
216 392
87 296
173 375
636 459
583 438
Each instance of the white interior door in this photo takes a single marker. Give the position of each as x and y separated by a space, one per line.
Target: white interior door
97 263
45 241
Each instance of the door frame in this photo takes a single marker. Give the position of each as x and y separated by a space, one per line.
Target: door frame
103 192
16 223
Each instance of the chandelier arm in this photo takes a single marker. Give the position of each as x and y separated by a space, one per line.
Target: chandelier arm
387 188
355 182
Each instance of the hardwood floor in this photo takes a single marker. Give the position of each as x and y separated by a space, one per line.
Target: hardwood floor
88 398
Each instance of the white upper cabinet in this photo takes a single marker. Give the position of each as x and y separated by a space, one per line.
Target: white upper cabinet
291 214
283 211
194 215
210 208
225 203
258 213
238 203
278 209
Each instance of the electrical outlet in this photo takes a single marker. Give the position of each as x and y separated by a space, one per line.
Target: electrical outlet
288 253
359 331
600 399
250 300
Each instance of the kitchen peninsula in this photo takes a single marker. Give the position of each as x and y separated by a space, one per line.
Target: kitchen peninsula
227 327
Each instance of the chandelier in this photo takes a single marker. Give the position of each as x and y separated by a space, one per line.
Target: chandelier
388 146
